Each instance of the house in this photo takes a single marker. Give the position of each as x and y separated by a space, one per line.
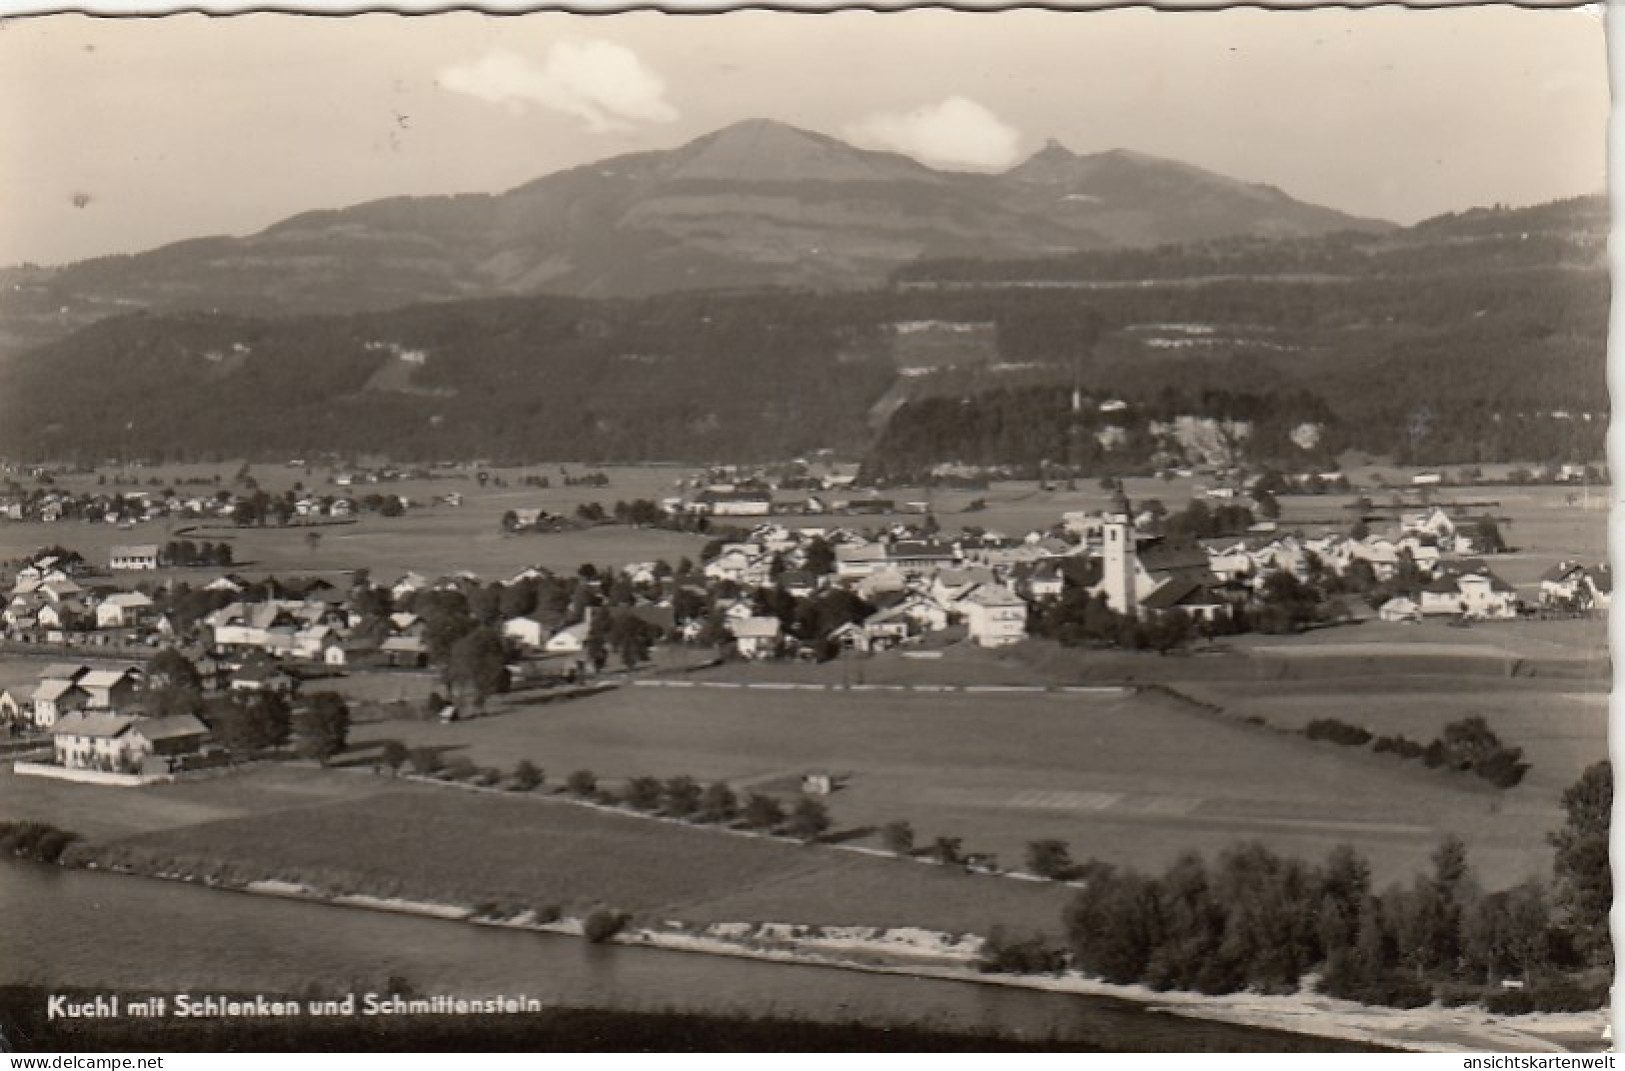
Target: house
1042 581
125 609
732 503
124 743
160 742
404 651
856 561
1566 586
1601 582
1470 590
757 637
920 557
525 631
994 616
570 640
141 556
58 693
93 741
1399 608
111 689
65 615
12 709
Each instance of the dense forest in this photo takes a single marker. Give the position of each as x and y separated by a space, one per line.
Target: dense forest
1471 338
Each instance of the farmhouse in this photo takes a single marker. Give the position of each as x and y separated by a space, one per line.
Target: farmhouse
1471 591
731 503
525 631
1566 585
111 689
756 637
142 556
124 743
994 616
125 609
52 699
1400 609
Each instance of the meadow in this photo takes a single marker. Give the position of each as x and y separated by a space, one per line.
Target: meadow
442 843
1133 779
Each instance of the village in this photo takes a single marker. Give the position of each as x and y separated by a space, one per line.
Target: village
1134 578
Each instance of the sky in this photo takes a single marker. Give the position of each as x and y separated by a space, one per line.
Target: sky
121 134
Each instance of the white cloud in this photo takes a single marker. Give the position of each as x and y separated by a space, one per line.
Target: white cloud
955 132
603 84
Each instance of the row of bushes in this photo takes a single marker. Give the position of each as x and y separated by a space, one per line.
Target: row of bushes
683 798
679 797
1468 745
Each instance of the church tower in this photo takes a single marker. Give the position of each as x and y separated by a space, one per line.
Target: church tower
1120 559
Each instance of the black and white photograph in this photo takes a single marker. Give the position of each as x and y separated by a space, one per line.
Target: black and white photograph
1023 530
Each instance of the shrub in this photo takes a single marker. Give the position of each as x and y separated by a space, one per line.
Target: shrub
1561 995
1050 858
1393 991
488 776
898 837
426 761
809 820
763 812
1399 745
947 850
1002 954
581 783
1338 732
36 841
603 924
544 914
460 768
527 776
642 794
718 803
1503 769
682 795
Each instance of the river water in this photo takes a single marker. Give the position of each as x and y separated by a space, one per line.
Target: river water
113 932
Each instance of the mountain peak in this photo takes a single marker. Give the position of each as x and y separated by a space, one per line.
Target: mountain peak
767 150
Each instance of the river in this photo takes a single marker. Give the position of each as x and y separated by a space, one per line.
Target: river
114 932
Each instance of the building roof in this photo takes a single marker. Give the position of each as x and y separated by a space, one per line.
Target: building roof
1177 592
760 628
994 595
107 678
176 726
129 600
134 550
64 671
1161 558
1562 571
53 688
98 724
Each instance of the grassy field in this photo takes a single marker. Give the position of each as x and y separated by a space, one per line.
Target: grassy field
1134 780
100 813
388 837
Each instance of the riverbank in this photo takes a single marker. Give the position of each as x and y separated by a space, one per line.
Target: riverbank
928 954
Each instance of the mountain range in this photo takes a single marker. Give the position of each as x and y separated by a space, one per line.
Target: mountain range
758 203
1472 337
